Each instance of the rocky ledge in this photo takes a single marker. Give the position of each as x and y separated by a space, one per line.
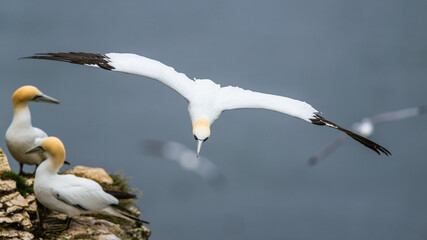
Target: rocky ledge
19 210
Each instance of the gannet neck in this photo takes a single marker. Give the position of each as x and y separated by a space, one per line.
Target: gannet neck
46 168
21 116
56 153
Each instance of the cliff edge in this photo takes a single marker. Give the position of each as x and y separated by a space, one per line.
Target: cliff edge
19 210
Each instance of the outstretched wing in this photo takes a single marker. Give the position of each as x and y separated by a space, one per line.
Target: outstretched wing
126 63
235 98
398 115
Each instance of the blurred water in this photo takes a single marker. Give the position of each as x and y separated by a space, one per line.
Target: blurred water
349 59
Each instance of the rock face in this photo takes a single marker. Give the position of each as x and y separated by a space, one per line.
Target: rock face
4 164
15 210
97 174
18 214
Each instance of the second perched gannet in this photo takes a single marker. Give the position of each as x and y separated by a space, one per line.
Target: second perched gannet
366 128
70 194
21 135
206 99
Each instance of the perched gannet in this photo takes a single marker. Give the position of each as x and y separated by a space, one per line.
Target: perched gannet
21 135
206 99
366 128
67 193
186 158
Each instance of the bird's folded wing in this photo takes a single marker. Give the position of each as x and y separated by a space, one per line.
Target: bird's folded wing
127 63
40 135
88 196
235 98
398 115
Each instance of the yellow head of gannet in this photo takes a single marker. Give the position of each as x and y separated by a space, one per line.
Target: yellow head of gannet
55 150
29 93
201 132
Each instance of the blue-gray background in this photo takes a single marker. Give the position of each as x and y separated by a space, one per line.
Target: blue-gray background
349 59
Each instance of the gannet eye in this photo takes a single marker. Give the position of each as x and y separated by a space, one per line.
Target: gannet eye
195 138
37 97
205 139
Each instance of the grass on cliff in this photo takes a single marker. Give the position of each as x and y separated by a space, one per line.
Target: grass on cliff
21 184
120 184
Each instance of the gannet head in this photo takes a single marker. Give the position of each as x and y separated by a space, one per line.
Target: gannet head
29 93
55 150
201 132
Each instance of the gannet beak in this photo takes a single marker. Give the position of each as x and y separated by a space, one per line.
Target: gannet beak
36 149
45 98
199 146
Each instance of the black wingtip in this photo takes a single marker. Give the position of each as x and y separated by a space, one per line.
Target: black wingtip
80 58
121 195
319 120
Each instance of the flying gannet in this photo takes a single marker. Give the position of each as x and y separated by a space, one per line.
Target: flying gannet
186 158
366 127
21 135
70 194
206 99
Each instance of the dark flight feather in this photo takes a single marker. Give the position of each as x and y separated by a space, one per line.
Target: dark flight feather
81 58
319 120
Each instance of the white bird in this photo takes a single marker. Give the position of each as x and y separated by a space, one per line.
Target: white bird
186 158
366 127
21 135
206 99
70 194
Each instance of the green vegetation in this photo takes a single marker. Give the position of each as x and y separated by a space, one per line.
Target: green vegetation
21 184
120 184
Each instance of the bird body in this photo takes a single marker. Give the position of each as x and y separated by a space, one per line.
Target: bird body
67 193
70 194
21 135
203 102
206 99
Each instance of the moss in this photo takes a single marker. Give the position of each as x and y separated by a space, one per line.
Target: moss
21 184
120 184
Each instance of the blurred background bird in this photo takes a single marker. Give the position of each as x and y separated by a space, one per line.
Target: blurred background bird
366 127
187 159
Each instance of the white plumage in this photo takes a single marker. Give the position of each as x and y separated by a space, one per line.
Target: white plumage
21 135
67 193
206 99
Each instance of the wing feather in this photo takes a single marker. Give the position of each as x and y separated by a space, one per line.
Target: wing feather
127 63
398 115
236 98
83 194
